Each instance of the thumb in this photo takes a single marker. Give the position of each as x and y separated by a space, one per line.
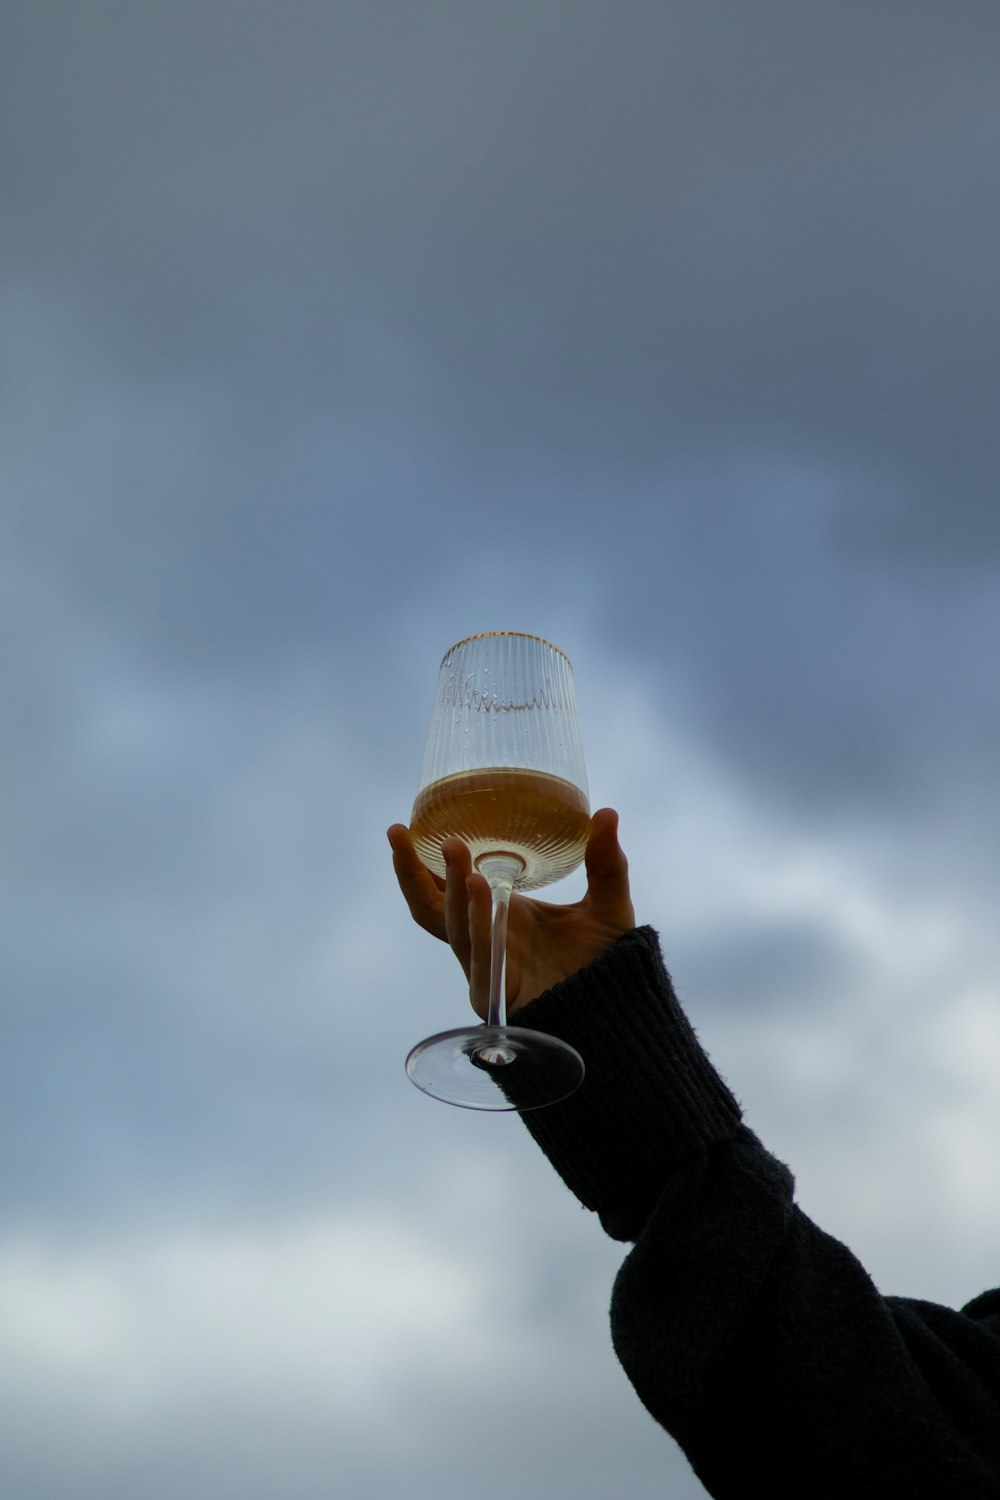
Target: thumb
607 872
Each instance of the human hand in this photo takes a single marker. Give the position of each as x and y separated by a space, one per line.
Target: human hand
545 942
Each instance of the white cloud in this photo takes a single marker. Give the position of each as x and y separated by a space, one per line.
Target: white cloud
377 1345
330 1315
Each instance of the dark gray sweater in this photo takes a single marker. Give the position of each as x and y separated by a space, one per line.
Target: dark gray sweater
758 1341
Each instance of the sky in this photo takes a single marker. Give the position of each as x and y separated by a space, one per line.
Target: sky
331 333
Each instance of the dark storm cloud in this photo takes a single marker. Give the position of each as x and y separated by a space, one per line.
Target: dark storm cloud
765 968
940 529
654 263
842 681
331 332
703 293
688 310
699 217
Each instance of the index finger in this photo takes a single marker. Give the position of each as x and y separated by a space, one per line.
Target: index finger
422 891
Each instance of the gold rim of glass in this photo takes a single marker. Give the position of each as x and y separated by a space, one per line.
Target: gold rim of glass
525 635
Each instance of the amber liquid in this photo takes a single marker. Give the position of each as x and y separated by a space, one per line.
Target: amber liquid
542 820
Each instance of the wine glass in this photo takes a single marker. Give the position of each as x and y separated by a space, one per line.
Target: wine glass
503 770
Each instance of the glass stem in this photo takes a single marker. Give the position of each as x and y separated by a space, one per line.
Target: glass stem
501 870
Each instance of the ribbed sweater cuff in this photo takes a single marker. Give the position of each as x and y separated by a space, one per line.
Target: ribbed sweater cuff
651 1099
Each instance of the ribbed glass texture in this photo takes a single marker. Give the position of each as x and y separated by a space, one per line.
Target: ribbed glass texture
504 700
502 771
503 765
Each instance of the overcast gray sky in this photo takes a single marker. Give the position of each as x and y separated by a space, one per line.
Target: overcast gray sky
334 332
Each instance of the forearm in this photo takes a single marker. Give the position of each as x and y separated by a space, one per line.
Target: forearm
650 1102
762 1345
758 1341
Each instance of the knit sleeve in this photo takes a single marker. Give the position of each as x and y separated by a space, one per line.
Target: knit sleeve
756 1339
650 1099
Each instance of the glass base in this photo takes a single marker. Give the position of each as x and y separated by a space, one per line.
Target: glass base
495 1068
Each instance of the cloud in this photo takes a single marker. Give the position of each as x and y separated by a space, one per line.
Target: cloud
844 987
330 1315
355 1344
683 227
669 335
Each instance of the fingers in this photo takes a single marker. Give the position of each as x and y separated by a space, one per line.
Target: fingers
458 909
442 907
479 920
422 891
458 862
607 872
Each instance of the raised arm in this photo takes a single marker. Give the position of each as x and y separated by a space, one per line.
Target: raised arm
757 1340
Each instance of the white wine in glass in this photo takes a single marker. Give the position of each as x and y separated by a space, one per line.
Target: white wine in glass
503 770
542 819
